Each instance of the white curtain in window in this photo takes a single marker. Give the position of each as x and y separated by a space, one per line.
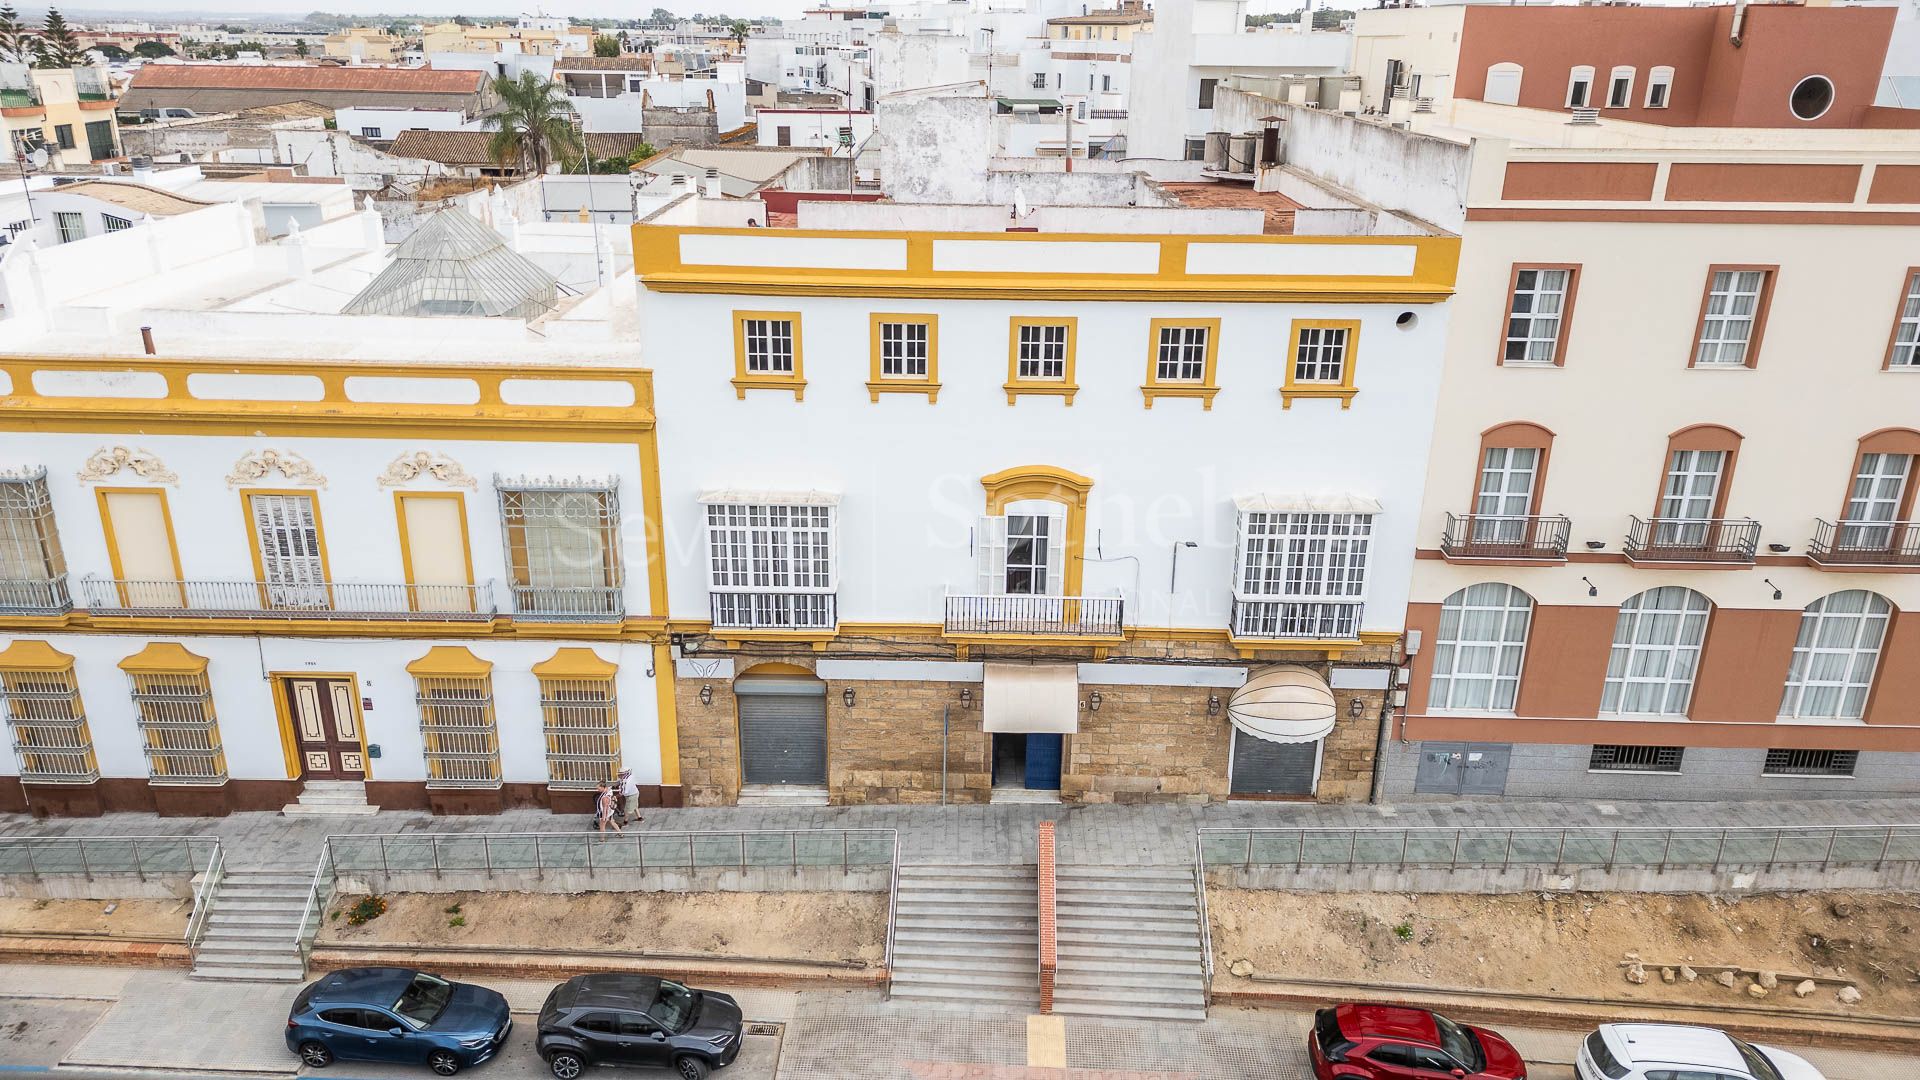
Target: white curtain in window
1656 652
1835 656
1480 646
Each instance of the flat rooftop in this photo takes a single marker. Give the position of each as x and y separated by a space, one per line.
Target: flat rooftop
1277 209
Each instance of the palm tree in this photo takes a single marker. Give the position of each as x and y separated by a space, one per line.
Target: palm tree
534 126
739 29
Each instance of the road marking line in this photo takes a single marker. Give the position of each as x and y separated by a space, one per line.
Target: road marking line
1047 1042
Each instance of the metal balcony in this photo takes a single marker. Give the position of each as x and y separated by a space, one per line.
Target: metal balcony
1049 616
773 610
1693 540
20 596
1499 536
1302 620
254 600
1865 543
585 603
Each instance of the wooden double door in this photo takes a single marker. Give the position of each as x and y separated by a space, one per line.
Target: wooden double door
326 726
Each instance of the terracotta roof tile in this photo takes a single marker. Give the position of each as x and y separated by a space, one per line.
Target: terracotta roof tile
470 147
289 77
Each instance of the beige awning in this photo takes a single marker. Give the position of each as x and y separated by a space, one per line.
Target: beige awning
1285 705
1032 697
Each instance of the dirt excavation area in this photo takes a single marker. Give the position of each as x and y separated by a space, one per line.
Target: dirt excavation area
1804 950
147 919
820 927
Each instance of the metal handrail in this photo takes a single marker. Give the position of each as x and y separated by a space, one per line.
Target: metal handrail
893 907
203 900
1570 848
1677 539
1852 542
1328 620
316 903
1531 536
78 861
256 600
773 609
442 852
1206 922
1020 613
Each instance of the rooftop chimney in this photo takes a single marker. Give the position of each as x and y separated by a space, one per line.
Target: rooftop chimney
710 187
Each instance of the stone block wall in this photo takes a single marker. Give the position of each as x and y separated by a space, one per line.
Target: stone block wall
1148 744
886 749
709 742
1346 762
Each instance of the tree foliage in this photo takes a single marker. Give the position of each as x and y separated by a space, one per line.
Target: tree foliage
56 46
738 29
534 126
14 37
153 50
606 45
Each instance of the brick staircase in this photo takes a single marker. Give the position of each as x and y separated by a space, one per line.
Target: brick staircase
967 935
1129 943
251 923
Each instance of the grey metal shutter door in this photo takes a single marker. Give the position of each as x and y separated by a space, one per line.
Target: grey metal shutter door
1269 768
783 738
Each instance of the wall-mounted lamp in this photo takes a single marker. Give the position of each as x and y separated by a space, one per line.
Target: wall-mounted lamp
1173 576
1213 704
966 698
1093 700
1355 707
1775 588
1592 589
706 693
847 696
1596 545
1779 549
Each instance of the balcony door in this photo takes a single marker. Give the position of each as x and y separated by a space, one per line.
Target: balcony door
1873 505
1688 501
1505 500
140 539
286 532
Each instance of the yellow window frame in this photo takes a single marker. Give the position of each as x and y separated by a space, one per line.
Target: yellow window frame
113 540
1344 389
878 383
743 380
406 545
1065 386
253 537
1208 385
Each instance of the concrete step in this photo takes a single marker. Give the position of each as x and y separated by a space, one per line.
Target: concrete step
302 882
1089 900
245 932
287 974
1012 897
781 795
302 810
254 959
248 891
1157 922
1081 979
1170 962
913 937
295 902
966 925
1021 1001
1165 997
983 909
218 919
1018 981
1019 967
1125 873
1195 1013
968 870
212 945
1117 942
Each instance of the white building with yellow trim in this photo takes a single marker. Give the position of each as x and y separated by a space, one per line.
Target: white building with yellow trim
968 515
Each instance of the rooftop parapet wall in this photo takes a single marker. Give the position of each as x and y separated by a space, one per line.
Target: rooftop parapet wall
1702 184
1085 266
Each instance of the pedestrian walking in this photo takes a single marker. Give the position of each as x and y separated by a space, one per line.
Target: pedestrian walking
629 798
603 809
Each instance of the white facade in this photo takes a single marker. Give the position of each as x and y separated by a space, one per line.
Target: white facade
385 125
813 129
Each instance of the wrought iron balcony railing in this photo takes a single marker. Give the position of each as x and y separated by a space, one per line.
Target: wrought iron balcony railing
256 600
768 610
581 603
1865 543
1317 620
1693 540
25 596
1499 536
1053 616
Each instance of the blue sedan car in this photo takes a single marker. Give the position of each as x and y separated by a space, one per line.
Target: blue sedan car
395 1014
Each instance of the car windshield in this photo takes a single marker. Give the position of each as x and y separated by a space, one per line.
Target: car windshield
1459 1043
1603 1058
673 1009
425 998
1757 1062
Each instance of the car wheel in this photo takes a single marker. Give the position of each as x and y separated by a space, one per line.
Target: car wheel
566 1065
443 1063
315 1055
691 1068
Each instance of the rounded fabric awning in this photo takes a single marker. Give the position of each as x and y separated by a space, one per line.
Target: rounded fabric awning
1285 705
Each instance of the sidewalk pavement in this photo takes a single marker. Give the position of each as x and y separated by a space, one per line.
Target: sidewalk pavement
162 1020
1106 835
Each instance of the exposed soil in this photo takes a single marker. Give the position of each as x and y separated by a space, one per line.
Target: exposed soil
1572 945
806 926
130 918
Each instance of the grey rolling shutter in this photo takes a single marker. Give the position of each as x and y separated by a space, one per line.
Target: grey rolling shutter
1268 768
783 730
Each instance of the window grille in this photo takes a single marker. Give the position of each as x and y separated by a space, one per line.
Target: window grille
458 729
563 548
582 729
1636 759
32 569
51 740
179 733
1810 762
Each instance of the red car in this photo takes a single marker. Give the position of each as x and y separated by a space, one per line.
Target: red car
1389 1042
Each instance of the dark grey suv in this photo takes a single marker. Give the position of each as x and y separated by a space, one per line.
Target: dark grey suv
637 1021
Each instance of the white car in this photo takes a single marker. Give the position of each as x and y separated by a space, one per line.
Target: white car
1672 1052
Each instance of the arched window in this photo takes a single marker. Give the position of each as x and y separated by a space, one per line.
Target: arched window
1835 656
1656 652
1477 653
1503 84
1620 88
1580 87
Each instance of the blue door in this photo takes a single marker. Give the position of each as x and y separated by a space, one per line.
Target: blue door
1043 762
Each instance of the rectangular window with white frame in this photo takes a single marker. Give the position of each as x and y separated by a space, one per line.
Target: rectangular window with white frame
1043 351
1659 87
903 350
1580 87
769 346
1620 88
1732 317
1537 313
1301 574
771 565
1022 552
563 548
1183 355
1904 353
